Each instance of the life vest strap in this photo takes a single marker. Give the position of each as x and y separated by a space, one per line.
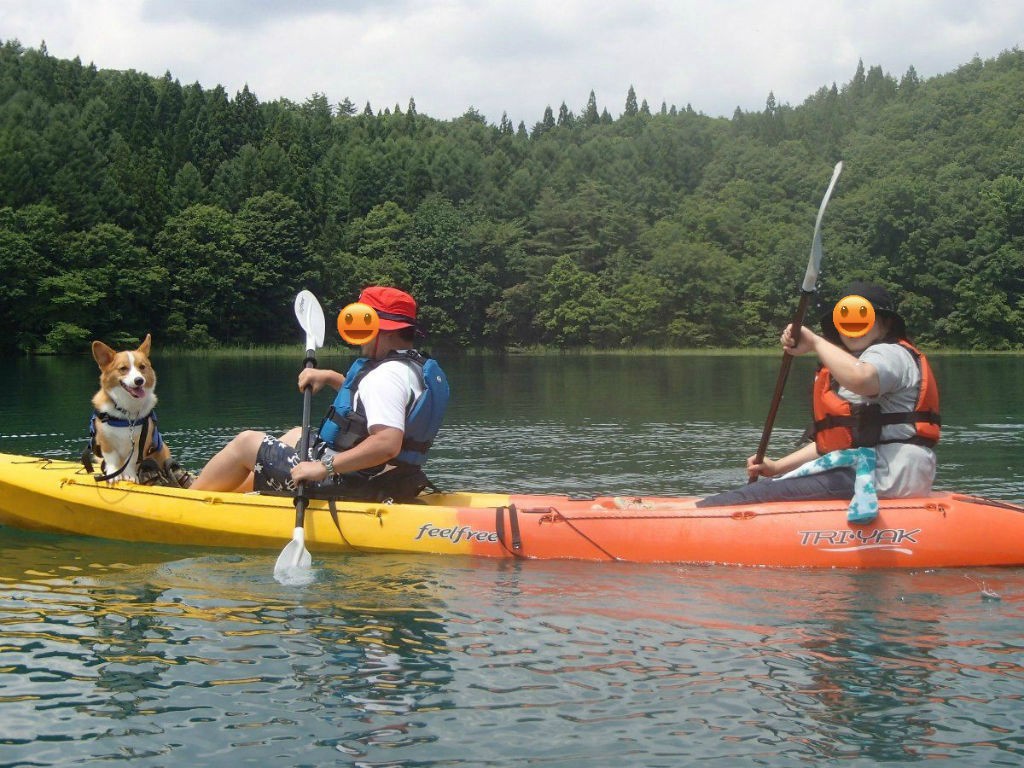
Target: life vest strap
883 419
910 417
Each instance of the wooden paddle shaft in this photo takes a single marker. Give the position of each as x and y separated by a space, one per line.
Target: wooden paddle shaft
780 384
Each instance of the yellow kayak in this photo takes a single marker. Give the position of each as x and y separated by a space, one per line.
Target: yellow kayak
55 496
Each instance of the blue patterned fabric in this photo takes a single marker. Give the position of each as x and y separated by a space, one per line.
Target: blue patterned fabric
864 504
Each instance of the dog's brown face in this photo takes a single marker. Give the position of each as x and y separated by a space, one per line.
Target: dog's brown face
128 372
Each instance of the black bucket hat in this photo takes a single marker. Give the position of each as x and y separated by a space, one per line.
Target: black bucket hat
880 300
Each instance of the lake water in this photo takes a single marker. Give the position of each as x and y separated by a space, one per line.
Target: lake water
172 656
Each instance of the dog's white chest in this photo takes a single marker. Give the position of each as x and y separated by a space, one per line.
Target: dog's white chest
121 438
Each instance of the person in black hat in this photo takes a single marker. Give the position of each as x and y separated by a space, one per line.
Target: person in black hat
874 390
883 306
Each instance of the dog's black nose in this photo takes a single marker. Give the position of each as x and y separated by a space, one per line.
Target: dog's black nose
139 381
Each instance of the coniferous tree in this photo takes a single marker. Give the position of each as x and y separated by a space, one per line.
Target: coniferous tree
590 115
410 117
631 107
565 117
545 125
346 108
187 189
910 82
548 121
169 104
248 117
855 90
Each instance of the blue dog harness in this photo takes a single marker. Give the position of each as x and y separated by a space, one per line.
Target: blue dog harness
151 430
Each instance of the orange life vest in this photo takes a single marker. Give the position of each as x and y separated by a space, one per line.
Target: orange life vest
840 424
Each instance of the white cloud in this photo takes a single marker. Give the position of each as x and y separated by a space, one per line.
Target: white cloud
520 55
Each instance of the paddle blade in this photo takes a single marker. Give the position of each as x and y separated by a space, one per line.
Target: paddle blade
294 563
311 317
814 262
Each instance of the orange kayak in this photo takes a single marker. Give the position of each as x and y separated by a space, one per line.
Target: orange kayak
944 529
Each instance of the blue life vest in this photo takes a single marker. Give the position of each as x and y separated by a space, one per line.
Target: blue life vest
345 426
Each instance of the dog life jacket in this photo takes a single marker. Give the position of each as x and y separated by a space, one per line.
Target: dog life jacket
345 426
150 439
840 424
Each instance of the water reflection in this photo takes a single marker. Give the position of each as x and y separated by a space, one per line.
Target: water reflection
212 645
408 660
874 674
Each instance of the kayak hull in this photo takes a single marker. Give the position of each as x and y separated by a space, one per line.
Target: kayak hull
941 530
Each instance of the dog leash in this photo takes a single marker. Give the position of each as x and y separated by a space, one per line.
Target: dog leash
104 478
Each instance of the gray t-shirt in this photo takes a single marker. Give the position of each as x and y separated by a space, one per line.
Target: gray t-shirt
903 469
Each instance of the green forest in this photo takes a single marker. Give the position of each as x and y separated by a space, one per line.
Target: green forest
133 204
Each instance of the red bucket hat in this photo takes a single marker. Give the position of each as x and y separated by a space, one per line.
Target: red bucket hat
396 309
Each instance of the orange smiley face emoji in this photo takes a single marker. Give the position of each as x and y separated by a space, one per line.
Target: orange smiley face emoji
358 323
854 316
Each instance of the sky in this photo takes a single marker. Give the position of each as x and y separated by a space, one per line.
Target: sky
519 56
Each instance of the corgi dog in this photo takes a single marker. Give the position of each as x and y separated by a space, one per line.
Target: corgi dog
123 431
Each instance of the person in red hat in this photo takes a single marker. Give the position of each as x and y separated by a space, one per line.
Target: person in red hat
374 439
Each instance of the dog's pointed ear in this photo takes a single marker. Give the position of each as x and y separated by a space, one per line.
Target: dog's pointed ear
102 354
146 344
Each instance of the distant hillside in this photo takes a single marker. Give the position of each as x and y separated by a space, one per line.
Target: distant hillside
132 204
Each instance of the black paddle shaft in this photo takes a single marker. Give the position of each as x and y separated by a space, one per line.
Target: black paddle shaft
307 404
780 385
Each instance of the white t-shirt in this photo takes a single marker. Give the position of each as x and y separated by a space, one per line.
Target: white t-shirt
903 469
386 392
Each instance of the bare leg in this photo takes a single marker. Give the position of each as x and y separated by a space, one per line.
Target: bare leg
247 484
291 437
229 468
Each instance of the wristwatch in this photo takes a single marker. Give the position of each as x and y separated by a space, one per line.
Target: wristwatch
328 461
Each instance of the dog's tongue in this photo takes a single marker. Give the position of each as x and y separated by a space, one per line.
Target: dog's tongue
136 391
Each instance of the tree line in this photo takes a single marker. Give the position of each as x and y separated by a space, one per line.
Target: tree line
133 204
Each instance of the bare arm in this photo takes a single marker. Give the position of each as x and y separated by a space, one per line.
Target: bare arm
773 467
383 444
318 377
858 377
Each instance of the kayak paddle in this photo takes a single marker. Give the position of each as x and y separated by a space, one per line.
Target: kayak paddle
295 557
807 288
